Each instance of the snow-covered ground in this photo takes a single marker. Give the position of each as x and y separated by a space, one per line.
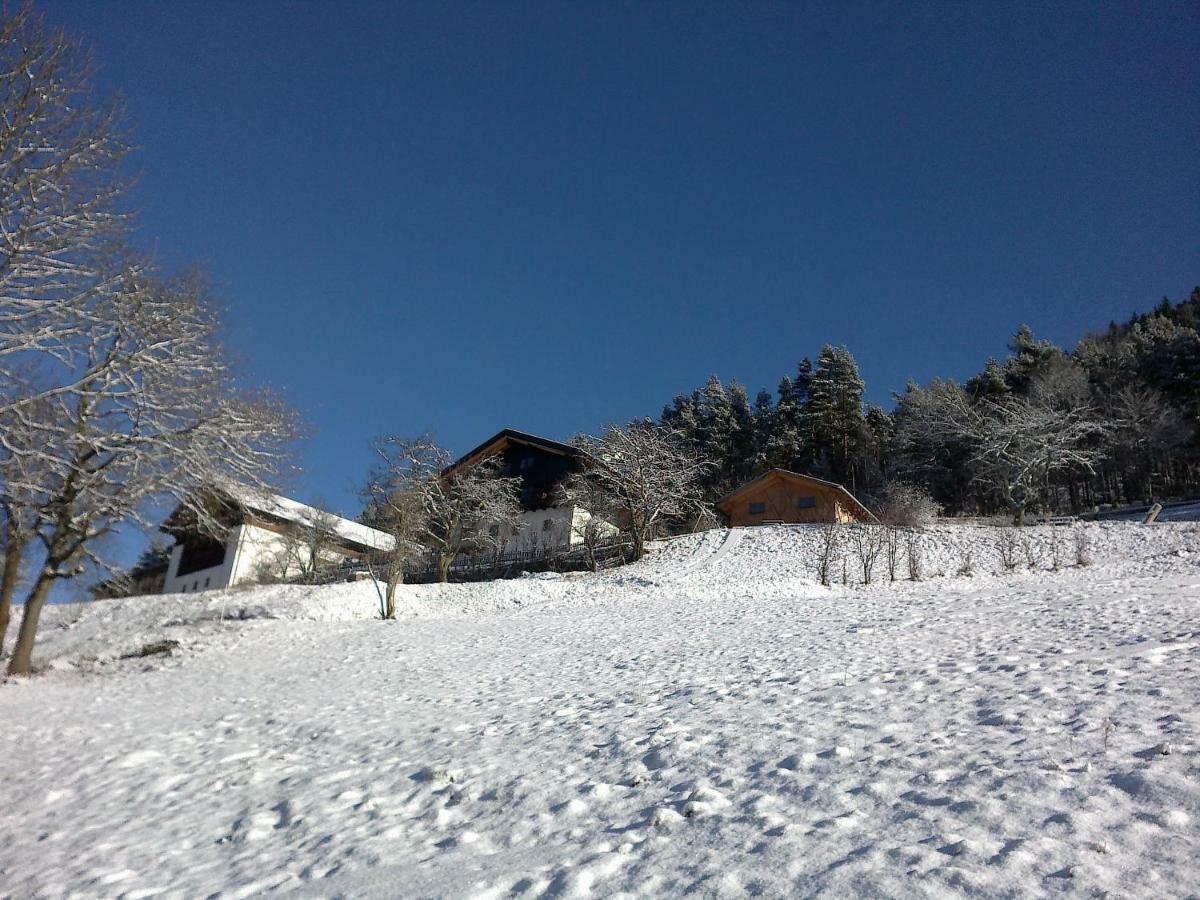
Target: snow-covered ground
710 719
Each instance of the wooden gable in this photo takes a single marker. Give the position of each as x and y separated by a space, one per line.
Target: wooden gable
782 496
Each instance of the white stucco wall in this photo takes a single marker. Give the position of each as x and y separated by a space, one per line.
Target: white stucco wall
540 529
560 526
248 550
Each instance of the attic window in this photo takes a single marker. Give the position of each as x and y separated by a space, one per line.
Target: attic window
756 508
807 502
526 463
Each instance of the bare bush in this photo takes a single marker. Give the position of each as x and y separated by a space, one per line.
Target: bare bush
892 550
914 554
1030 550
868 543
1055 548
827 549
1006 546
966 558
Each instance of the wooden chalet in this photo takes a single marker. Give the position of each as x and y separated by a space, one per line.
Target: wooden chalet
779 496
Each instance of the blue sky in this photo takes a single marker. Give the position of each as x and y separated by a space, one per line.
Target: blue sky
459 217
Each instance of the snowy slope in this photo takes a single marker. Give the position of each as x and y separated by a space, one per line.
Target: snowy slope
709 719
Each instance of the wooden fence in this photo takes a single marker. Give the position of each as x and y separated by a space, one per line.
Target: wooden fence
493 566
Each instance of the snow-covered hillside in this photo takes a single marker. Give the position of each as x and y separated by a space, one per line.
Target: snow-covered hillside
710 719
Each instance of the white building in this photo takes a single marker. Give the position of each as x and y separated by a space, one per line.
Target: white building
265 539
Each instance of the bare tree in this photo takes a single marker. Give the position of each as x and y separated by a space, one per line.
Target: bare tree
395 503
471 509
651 474
154 415
306 553
59 156
599 509
1015 443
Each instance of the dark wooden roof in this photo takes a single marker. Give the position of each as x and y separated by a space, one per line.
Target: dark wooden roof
497 443
540 463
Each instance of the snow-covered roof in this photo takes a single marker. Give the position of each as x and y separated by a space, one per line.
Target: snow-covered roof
285 509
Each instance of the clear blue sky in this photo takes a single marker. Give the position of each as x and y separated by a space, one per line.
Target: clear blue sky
460 217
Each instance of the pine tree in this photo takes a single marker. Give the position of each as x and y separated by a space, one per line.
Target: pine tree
790 445
835 413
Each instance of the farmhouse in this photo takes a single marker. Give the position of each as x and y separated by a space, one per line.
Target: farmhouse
264 537
547 521
782 496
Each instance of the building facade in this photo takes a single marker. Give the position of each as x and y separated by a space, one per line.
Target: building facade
782 497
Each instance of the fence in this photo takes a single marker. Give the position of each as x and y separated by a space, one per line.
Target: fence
493 566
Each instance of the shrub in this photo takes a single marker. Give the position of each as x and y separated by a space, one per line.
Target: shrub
907 505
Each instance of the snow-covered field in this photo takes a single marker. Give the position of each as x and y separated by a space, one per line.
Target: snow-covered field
709 720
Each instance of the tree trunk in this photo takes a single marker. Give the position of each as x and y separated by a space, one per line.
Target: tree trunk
8 583
639 544
444 561
22 658
390 600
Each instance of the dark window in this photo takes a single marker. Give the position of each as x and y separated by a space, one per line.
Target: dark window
547 524
526 463
200 552
756 508
207 581
807 502
196 585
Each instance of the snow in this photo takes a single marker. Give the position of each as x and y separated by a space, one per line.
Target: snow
301 514
708 720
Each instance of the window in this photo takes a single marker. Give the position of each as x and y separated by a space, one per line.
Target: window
526 463
547 524
207 581
196 585
757 508
200 552
807 502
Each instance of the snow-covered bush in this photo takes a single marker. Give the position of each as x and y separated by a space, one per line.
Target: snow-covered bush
1083 547
907 505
